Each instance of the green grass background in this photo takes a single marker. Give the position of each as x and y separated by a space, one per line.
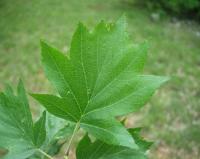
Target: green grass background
171 118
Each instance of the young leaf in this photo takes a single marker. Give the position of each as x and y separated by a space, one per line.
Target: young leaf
57 130
39 131
18 134
99 80
143 144
100 150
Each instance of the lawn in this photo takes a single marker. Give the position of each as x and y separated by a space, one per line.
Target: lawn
171 118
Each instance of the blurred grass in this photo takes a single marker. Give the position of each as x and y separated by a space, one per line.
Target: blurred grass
172 118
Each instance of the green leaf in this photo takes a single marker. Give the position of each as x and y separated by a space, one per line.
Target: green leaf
57 130
39 130
100 150
99 80
141 142
108 129
18 134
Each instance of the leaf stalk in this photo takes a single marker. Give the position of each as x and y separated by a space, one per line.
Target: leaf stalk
72 137
45 154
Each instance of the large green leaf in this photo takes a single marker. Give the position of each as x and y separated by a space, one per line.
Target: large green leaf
100 150
18 134
99 80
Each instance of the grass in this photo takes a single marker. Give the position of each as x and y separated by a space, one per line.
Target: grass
171 118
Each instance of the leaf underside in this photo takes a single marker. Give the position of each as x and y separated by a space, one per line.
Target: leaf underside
99 80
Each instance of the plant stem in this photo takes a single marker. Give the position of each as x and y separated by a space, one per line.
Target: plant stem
72 137
45 154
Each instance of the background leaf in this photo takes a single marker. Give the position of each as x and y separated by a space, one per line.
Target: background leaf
141 142
18 134
100 150
39 130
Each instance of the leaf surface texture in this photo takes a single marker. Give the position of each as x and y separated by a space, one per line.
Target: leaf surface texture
99 80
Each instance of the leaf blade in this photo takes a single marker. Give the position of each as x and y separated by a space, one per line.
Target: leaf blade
39 130
61 107
16 125
102 76
100 150
15 132
108 130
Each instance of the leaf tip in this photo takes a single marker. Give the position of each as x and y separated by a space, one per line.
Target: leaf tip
44 113
33 95
43 43
165 79
81 27
122 21
20 86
